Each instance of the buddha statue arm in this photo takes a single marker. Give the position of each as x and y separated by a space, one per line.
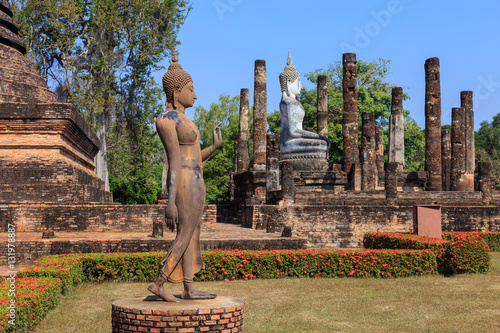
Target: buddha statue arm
294 110
217 142
166 127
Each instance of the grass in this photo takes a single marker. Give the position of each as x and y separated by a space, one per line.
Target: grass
462 303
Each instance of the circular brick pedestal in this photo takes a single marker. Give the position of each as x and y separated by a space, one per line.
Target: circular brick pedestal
150 314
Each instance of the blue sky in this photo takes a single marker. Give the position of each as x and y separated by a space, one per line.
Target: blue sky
221 39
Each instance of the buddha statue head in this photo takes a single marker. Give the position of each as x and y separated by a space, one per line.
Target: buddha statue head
290 78
178 85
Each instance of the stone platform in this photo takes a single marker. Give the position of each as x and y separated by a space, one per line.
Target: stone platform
151 314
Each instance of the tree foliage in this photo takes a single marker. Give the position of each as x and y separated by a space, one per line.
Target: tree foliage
374 95
488 145
218 169
99 55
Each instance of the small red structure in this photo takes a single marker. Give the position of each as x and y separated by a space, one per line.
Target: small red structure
427 220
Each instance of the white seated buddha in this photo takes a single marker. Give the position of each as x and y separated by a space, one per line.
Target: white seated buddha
296 143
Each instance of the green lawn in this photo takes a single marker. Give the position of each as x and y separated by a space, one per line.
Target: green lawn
463 303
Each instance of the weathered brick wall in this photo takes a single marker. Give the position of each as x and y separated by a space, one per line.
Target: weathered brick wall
57 127
327 196
444 198
46 155
471 218
345 226
229 213
91 217
20 80
334 226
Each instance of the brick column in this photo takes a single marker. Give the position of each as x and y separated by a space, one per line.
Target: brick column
350 117
322 111
369 175
484 178
396 146
446 158
272 165
391 183
470 152
379 142
457 149
242 153
433 125
259 116
287 182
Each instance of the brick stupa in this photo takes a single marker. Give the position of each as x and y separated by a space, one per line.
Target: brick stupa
47 149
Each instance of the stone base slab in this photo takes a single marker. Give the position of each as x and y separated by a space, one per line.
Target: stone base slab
151 314
306 161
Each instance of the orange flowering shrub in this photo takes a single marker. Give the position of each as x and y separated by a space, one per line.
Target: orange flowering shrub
467 253
32 300
462 253
491 238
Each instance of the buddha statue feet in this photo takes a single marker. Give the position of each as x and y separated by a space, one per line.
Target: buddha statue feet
197 294
163 293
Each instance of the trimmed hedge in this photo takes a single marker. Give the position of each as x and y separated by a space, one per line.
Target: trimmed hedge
462 253
491 238
231 265
395 240
34 298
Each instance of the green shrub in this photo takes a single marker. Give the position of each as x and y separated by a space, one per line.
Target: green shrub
491 238
231 265
64 267
462 253
466 253
316 263
395 240
34 298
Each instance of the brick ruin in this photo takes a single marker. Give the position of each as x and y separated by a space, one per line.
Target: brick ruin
47 155
364 194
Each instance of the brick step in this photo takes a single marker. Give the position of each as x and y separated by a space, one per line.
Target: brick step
7 21
373 198
12 91
338 198
48 193
10 57
51 174
20 76
31 113
444 198
10 39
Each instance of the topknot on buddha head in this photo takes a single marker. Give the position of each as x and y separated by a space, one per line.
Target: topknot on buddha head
289 73
175 78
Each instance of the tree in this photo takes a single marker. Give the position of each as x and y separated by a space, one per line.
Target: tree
135 150
488 145
374 95
99 55
219 167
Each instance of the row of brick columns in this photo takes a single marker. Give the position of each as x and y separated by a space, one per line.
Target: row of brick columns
449 157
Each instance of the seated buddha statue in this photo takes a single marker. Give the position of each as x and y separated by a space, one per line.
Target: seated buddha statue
296 143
